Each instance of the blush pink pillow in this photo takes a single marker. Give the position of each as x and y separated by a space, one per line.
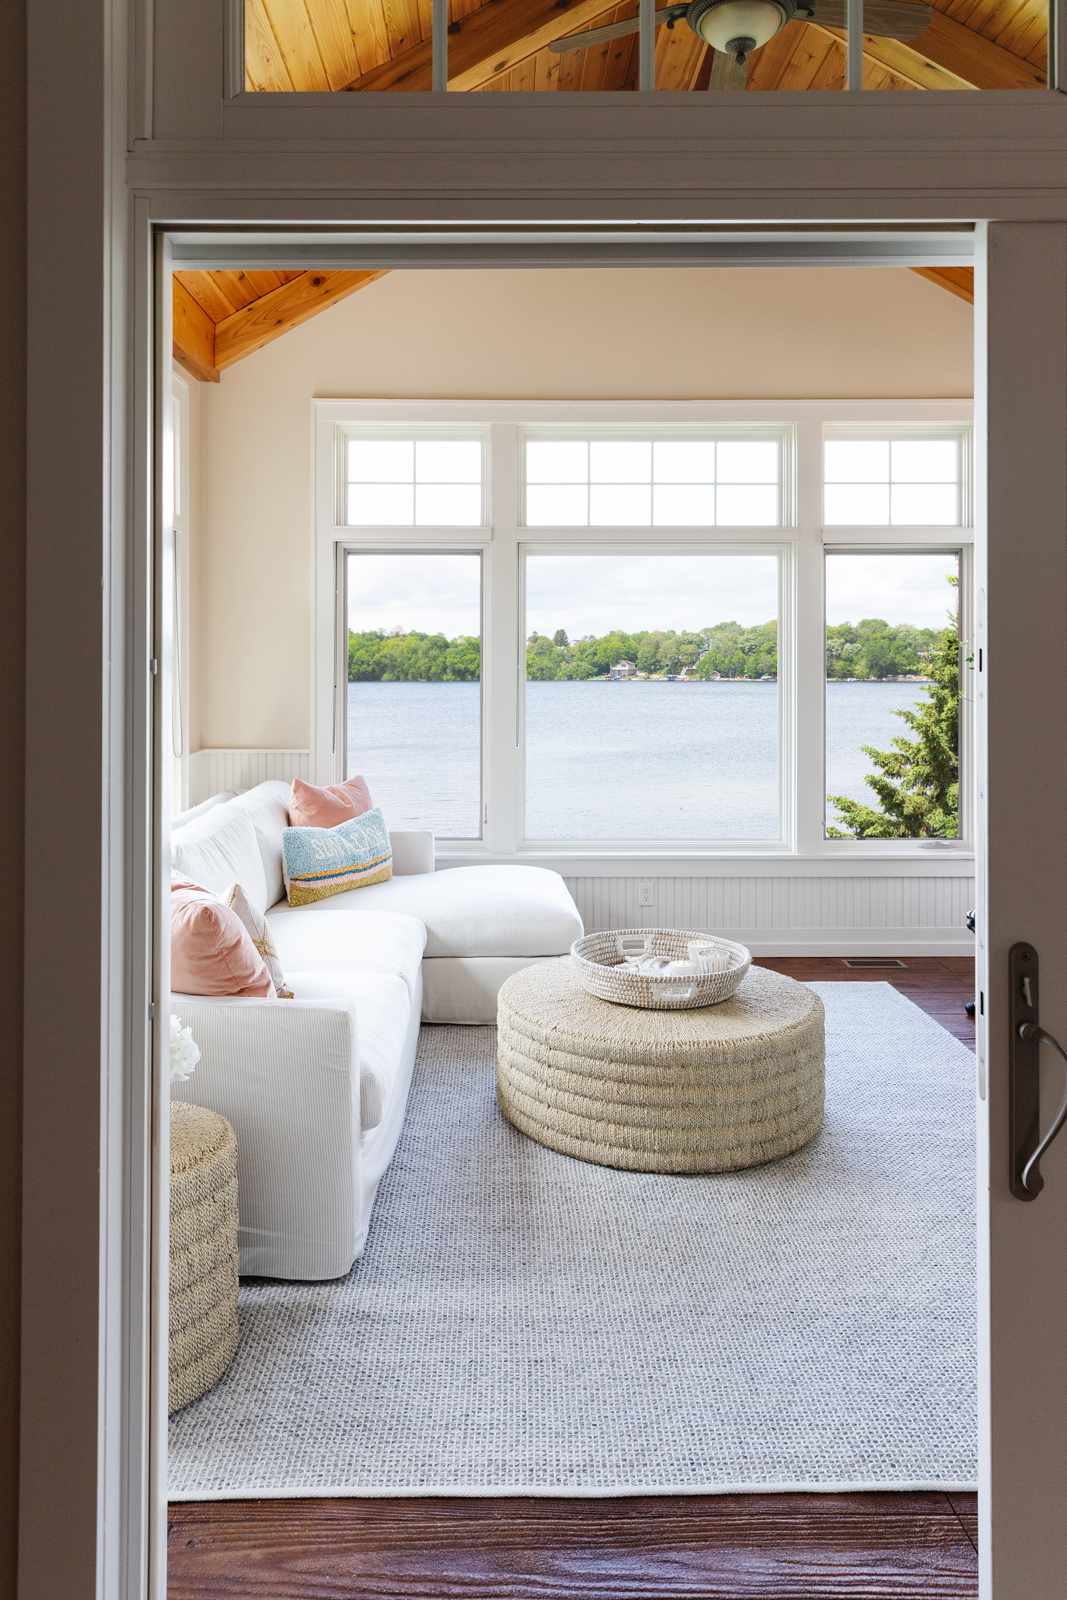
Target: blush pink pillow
211 951
312 807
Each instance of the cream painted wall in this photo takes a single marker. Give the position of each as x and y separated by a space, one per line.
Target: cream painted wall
197 545
634 334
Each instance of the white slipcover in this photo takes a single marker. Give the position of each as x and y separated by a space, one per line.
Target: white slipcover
311 1147
349 941
317 1087
475 911
219 849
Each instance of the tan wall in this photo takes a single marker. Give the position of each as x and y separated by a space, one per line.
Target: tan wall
194 445
12 737
693 334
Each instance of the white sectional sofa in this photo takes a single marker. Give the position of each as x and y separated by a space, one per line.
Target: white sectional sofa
316 1087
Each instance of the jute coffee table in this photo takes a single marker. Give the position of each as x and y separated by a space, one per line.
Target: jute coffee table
708 1090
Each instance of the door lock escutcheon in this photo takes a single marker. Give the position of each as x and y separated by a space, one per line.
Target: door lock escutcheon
1027 1142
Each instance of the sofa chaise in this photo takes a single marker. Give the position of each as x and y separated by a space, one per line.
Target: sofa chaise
316 1087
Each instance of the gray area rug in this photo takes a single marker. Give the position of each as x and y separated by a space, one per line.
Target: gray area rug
524 1323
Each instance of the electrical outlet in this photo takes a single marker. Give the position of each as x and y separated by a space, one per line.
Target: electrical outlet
646 895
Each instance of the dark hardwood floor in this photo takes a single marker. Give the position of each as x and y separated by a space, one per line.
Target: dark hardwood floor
696 1547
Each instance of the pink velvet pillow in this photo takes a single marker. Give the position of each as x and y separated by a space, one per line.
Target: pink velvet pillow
211 951
312 807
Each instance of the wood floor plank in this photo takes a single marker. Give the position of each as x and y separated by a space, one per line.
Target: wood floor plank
966 1508
730 1547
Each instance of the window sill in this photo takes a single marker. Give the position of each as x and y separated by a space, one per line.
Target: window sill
859 861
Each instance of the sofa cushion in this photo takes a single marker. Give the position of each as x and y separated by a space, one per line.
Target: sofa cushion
382 1003
221 848
267 807
475 911
347 941
183 818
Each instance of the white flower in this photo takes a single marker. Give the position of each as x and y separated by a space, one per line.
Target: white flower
184 1051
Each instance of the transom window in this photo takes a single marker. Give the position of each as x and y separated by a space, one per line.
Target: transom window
375 47
426 482
635 483
688 629
902 482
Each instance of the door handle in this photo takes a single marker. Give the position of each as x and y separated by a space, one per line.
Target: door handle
1028 1144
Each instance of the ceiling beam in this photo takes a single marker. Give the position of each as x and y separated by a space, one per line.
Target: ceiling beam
957 280
194 336
974 57
273 314
904 61
947 55
486 43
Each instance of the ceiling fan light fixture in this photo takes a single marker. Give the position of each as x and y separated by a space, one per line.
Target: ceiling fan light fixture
737 27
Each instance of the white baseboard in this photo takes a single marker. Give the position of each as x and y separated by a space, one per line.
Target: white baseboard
852 942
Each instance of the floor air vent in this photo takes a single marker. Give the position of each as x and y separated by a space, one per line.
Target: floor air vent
874 961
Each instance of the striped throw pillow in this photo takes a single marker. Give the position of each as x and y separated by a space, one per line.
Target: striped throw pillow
319 862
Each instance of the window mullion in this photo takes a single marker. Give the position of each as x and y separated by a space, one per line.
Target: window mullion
502 689
808 645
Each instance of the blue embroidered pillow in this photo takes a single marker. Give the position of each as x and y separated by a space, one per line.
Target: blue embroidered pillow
319 862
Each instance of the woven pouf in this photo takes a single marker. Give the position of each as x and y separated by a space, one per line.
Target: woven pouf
707 1090
203 1251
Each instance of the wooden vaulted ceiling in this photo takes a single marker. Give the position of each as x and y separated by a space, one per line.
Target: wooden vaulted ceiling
337 45
220 317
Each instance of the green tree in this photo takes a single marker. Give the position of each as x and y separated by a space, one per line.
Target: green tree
560 637
917 782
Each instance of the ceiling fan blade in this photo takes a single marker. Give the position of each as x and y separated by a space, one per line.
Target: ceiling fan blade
893 19
611 30
726 73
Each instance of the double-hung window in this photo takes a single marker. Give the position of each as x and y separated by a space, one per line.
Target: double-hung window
623 631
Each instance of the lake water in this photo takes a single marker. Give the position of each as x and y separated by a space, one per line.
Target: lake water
658 761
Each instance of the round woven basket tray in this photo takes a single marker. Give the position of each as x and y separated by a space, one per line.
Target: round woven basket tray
599 962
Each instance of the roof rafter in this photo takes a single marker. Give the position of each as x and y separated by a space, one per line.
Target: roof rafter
205 346
957 280
486 43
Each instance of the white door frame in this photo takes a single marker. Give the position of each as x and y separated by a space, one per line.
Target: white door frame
88 1184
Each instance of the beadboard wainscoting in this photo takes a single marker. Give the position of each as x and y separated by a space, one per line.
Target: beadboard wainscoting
214 770
781 911
793 915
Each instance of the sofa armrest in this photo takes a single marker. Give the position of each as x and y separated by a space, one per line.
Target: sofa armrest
413 851
285 1074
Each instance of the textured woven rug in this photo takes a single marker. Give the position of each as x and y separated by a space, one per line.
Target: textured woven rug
524 1323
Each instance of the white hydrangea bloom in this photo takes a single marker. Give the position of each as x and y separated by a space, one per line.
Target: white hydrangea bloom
184 1051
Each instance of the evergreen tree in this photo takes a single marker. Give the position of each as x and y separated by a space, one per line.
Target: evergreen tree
917 782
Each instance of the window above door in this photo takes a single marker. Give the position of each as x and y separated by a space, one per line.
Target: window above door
589 47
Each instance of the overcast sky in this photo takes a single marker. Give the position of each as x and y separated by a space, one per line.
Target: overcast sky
593 594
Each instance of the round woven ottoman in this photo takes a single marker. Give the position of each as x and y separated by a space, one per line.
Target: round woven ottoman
709 1090
203 1251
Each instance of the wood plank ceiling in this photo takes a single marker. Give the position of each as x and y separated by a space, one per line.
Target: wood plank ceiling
219 317
334 45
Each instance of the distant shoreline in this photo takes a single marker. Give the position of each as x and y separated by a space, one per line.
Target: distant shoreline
685 683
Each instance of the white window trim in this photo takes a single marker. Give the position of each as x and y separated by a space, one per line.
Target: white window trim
181 523
503 541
